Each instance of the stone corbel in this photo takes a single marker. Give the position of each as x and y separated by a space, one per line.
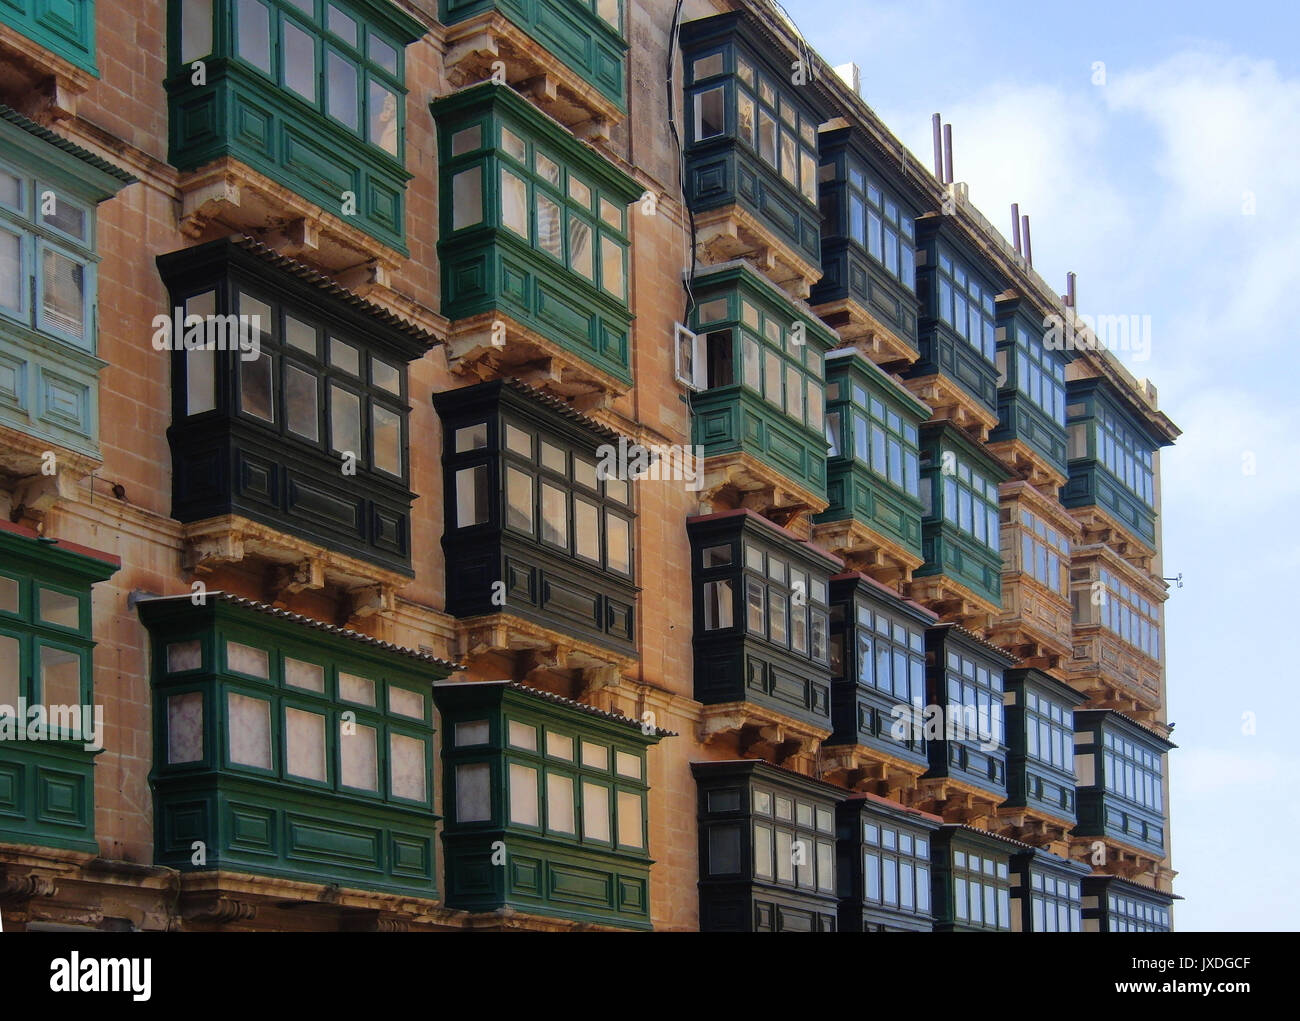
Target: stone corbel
204 554
296 238
18 889
289 579
218 910
369 600
199 205
37 495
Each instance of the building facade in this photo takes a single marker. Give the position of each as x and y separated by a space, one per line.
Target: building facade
452 482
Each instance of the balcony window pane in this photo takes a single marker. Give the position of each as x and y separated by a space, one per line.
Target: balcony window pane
467 198
519 500
60 676
794 393
548 227
559 803
342 84
777 618
182 656
254 30
305 744
755 598
745 116
580 247
788 162
245 659
710 113
345 422
767 137
63 293
358 759
196 30
619 543
547 168
752 364
717 605
386 430
184 721
471 496
256 388
356 689
630 829
471 437
11 284
555 516
383 117
309 676
301 408
473 792
408 777
595 811
60 608
523 795
248 734
611 266
586 530
299 61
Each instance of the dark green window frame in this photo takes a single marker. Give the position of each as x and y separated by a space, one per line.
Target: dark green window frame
1049 734
1132 773
896 867
882 437
206 655
974 697
891 659
573 770
39 641
1131 914
729 95
968 498
1097 431
877 222
374 60
491 159
981 887
1035 373
965 304
786 372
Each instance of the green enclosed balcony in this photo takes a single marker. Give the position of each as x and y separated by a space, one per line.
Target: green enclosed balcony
50 731
756 365
1030 435
868 289
49 254
65 28
308 94
568 56
960 526
1120 765
534 247
957 372
290 749
873 483
546 803
1112 459
751 149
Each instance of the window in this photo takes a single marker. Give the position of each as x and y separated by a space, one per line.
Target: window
1039 375
890 657
974 701
981 890
896 867
782 604
1049 733
1044 553
47 258
775 351
796 850
966 305
969 499
1129 914
882 227
1118 607
319 41
1054 903
884 438
1133 772
1124 454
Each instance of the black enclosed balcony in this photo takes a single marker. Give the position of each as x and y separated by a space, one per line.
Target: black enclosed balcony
762 625
767 849
868 288
963 723
1046 892
751 149
289 408
535 528
877 683
971 877
1039 713
884 866
1112 904
1120 765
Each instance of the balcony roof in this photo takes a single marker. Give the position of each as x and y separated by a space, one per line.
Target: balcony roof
560 700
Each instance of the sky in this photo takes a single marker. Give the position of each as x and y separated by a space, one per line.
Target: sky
1156 148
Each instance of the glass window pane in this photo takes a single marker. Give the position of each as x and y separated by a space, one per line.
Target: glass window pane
580 258
513 145
473 792
182 656
247 660
559 746
408 776
618 542
519 500
299 61
305 744
549 239
521 735
710 113
60 608
586 530
11 285
63 293
555 516
301 409
345 422
467 140
341 79
386 435
467 199
300 674
358 758
345 357
256 388
471 496
383 116
611 266
254 32
523 795
248 733
595 811
559 803
184 721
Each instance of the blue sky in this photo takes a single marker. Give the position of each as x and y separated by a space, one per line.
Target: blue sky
1143 185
